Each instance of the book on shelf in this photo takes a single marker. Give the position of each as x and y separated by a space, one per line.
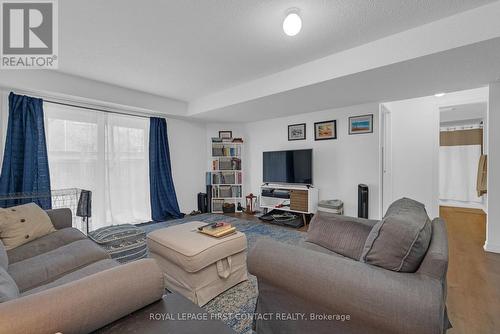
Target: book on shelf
221 150
224 191
218 230
226 164
227 191
217 205
229 177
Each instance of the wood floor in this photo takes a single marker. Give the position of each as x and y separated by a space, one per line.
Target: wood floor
473 274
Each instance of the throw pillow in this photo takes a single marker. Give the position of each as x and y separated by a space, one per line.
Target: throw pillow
400 240
340 234
8 288
403 203
22 224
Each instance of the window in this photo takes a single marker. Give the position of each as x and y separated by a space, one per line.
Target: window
105 153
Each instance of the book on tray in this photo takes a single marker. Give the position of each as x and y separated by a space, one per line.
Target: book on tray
217 230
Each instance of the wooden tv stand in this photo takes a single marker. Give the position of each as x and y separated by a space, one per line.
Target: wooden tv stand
292 198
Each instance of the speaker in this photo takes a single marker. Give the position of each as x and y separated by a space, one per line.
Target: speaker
362 201
202 202
209 198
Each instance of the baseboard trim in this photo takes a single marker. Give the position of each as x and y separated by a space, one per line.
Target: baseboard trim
493 248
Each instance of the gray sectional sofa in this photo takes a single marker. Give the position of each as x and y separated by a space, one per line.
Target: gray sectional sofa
357 276
66 283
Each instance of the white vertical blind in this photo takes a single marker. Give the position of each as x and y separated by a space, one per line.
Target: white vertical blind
105 153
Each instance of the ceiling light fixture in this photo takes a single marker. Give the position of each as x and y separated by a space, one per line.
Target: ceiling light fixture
292 23
439 94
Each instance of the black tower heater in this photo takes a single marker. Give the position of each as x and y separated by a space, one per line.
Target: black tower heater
202 202
362 201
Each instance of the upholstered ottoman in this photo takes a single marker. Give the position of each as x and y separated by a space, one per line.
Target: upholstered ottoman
196 265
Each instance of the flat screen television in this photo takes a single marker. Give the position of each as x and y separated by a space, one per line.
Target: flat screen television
294 166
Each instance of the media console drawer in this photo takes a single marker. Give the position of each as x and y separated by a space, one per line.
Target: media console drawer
298 200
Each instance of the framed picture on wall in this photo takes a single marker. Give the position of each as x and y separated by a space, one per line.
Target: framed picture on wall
225 134
360 124
297 131
325 130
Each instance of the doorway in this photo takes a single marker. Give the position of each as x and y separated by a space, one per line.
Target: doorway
462 155
410 145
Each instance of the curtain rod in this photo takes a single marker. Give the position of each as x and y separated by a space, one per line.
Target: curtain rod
77 104
462 127
95 109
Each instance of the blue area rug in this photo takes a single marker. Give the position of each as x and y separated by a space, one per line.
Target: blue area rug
241 298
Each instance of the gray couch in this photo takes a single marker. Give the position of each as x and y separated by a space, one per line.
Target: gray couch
68 284
314 280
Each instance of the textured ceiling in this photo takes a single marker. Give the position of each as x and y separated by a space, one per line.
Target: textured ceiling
189 48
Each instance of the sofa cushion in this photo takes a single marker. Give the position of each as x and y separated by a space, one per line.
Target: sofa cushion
8 288
320 249
45 244
47 267
91 269
340 234
4 259
61 218
400 240
22 224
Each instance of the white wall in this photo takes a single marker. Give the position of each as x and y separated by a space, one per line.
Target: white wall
338 165
415 152
188 155
493 225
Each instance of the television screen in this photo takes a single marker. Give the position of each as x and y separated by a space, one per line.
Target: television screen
288 167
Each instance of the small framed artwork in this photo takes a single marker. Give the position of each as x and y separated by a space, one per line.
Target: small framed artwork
360 124
297 132
225 134
325 130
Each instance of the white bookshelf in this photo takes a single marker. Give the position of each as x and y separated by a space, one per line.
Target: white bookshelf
226 176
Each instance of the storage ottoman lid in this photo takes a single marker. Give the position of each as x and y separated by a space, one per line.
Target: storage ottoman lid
191 250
